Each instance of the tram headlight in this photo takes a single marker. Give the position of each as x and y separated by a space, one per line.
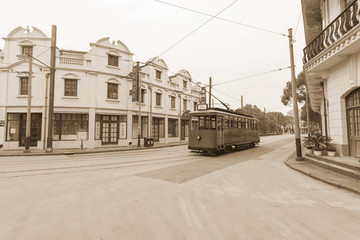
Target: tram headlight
198 137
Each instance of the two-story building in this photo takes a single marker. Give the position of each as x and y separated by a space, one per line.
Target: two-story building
92 98
331 65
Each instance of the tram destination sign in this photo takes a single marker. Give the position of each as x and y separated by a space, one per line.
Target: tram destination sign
202 107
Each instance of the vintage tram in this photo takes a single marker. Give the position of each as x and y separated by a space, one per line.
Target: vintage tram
218 130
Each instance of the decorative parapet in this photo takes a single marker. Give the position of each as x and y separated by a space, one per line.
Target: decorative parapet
334 32
70 57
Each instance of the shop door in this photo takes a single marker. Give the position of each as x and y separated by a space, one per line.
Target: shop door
182 129
35 130
109 130
353 122
156 129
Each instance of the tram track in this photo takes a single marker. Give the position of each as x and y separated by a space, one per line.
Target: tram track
80 157
88 168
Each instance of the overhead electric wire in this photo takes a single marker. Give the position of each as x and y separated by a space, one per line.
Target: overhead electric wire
251 76
212 17
297 25
224 19
182 39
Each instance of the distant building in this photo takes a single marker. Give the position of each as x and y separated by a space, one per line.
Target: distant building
93 98
331 65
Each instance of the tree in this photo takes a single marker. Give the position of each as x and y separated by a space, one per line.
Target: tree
269 123
286 98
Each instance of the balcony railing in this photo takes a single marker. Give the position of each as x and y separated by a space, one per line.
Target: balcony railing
71 60
341 25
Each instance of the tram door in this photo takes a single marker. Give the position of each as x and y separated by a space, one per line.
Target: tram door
220 132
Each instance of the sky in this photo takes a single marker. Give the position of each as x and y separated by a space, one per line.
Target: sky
227 52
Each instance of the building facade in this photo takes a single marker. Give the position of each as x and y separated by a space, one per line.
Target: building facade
93 95
331 65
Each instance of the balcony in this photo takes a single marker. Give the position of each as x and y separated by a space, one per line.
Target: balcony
71 61
71 57
334 37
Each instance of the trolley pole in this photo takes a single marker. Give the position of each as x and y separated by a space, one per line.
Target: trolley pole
28 114
210 80
52 83
294 96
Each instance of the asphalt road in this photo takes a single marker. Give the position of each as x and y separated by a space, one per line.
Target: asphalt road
171 193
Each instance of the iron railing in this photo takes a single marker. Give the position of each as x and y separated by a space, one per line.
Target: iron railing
341 25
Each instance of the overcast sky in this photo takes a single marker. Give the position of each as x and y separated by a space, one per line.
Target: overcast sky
222 50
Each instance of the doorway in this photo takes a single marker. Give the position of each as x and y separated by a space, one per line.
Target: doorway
353 122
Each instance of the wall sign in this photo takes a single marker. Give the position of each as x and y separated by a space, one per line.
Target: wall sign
2 123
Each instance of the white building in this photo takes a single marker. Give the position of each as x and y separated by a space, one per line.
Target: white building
331 65
92 98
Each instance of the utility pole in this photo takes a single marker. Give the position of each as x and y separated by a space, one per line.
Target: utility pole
210 92
139 96
294 95
46 108
52 86
28 114
307 112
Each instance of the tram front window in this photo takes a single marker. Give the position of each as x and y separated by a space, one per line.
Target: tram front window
194 123
212 122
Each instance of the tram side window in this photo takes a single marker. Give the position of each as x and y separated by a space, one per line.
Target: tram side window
226 123
212 122
236 123
201 122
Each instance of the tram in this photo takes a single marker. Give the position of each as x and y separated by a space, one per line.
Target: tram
218 130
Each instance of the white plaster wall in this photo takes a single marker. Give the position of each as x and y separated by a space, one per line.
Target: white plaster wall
342 79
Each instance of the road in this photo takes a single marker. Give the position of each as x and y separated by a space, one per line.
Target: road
171 193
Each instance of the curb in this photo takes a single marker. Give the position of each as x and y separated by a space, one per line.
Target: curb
287 162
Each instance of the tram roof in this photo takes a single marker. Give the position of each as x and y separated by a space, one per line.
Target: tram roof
220 110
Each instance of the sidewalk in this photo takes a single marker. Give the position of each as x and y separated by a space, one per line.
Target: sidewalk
341 172
37 152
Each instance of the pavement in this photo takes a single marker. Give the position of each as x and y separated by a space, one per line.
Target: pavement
341 172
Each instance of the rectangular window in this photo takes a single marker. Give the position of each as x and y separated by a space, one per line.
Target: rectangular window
173 129
185 104
112 91
195 106
70 88
67 126
213 122
173 101
113 60
194 123
27 50
158 99
158 74
24 84
143 92
185 84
